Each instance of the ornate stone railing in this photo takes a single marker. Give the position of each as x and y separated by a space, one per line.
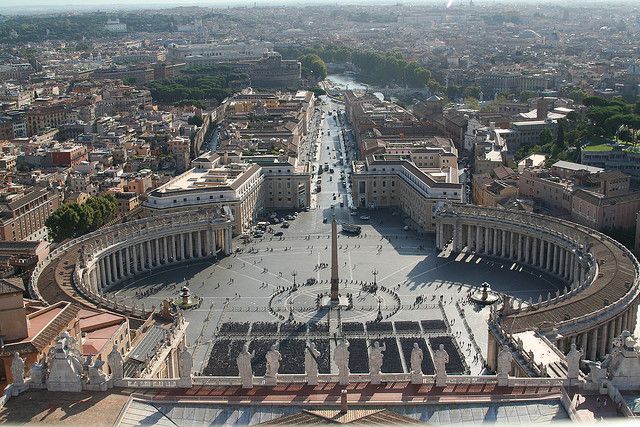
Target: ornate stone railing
570 235
112 238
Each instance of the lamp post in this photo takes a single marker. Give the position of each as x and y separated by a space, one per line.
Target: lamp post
294 274
375 283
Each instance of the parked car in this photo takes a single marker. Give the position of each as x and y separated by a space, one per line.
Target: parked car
278 234
285 225
365 217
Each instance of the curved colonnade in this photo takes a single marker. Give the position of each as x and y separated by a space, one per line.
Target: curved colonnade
601 296
118 253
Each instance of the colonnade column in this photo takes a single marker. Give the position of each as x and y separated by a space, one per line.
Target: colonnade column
594 344
469 238
227 235
103 275
503 235
156 243
611 333
477 245
603 340
165 248
198 244
108 270
135 258
149 254
519 254
127 260
119 264
190 243
485 243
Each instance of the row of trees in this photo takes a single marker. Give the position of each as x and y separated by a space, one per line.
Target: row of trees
198 83
383 68
604 117
73 220
609 115
33 28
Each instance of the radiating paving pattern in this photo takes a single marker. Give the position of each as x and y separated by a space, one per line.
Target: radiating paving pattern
194 414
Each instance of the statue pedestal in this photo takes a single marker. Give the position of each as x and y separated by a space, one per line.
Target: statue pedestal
270 381
312 379
441 380
343 379
503 380
416 378
247 382
375 378
341 302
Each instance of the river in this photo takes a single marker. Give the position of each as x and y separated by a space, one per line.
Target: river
349 82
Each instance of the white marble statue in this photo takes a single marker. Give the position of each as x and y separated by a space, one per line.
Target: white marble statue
273 358
504 366
311 355
65 373
376 358
96 374
622 365
244 366
440 360
186 363
17 369
573 362
417 356
39 371
116 364
341 359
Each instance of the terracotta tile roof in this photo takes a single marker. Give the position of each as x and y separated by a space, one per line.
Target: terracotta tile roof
45 325
11 285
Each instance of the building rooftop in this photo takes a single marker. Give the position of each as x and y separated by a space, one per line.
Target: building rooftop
562 164
226 177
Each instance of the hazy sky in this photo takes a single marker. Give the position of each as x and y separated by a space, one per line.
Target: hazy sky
41 6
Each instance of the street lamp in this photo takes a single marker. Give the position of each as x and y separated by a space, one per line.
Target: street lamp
294 274
375 283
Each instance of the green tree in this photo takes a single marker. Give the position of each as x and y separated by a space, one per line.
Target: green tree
472 92
195 120
546 137
73 220
525 95
471 102
314 66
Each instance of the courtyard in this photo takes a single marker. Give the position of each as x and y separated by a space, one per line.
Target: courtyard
250 296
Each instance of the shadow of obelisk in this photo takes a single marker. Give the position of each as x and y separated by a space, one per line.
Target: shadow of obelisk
334 260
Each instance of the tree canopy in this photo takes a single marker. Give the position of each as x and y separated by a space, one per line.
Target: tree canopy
73 220
313 66
379 67
198 83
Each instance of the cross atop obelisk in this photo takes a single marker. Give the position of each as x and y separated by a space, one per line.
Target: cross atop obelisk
334 260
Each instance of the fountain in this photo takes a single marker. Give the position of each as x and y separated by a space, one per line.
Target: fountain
186 301
484 296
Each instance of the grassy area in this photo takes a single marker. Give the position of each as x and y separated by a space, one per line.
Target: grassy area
598 147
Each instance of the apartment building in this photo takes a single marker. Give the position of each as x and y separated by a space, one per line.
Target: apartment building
395 181
23 212
246 188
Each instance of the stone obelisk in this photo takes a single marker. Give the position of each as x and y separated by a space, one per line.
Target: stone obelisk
334 260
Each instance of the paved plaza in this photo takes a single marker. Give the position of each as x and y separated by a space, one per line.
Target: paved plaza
239 288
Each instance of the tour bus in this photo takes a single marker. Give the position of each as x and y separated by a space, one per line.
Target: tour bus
351 228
